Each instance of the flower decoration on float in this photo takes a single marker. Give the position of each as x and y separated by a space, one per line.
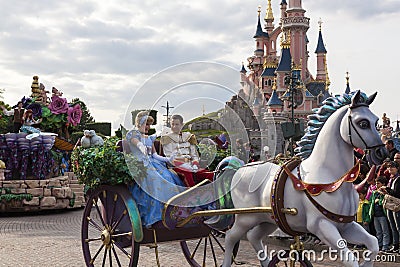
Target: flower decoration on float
56 112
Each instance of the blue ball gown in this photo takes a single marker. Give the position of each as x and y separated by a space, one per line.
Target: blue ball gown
160 184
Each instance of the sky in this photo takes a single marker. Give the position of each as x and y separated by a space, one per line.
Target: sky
122 55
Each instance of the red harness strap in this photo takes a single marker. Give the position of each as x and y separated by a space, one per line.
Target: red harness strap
316 189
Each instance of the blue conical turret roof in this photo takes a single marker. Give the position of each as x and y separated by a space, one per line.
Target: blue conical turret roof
347 91
259 32
285 63
243 70
274 100
268 72
320 45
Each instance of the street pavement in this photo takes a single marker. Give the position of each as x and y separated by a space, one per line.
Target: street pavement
52 239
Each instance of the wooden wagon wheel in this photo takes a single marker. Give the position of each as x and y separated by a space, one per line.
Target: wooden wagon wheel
107 236
283 260
206 251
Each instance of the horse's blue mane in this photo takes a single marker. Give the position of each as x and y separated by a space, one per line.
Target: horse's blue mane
318 119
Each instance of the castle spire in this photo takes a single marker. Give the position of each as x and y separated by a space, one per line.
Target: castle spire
321 57
274 100
320 46
259 32
347 91
269 16
285 63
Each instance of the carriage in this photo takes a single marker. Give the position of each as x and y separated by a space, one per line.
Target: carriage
112 233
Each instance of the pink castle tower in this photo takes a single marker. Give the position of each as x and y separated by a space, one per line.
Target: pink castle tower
263 86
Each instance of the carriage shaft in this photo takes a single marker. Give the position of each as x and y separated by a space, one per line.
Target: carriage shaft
208 213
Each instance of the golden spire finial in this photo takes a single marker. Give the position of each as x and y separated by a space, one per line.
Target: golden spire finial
274 84
320 24
285 39
327 82
259 10
347 77
269 15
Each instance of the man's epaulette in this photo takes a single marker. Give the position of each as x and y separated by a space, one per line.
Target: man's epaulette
192 140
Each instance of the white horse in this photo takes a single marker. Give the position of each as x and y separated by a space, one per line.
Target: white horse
340 125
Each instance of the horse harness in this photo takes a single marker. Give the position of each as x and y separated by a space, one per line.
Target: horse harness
278 189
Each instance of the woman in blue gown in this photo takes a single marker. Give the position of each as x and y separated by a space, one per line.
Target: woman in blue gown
160 184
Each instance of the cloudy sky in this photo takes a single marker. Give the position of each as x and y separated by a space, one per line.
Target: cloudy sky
122 55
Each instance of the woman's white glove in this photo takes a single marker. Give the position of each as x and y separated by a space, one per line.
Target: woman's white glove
142 148
161 158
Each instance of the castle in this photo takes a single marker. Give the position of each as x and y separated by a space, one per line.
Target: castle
278 88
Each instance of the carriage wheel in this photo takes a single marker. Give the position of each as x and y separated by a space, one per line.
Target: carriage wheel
284 260
206 251
106 230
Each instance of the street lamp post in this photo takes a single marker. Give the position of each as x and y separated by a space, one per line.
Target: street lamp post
292 80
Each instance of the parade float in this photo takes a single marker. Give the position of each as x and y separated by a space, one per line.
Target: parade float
35 171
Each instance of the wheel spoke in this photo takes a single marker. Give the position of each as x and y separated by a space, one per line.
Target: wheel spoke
122 234
122 249
205 251
92 239
119 220
116 256
104 257
94 224
97 254
109 256
113 210
195 249
213 252
98 211
219 243
105 204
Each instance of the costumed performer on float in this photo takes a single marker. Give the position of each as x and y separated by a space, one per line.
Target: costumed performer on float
18 113
181 146
27 122
160 184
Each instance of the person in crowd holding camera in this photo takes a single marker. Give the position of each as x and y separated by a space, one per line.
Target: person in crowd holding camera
377 212
393 189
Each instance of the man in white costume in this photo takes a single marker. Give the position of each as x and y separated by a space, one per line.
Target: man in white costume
182 147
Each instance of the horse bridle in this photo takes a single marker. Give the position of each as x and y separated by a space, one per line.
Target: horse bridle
351 126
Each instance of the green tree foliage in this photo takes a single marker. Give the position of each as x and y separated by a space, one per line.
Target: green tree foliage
5 121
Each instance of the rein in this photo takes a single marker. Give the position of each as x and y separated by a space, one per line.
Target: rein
351 126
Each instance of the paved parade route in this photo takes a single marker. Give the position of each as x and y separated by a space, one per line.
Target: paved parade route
53 239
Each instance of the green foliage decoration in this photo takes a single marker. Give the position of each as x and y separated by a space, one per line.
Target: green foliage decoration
52 122
105 165
72 200
9 197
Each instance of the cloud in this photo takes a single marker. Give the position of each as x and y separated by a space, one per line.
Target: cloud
104 52
360 9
